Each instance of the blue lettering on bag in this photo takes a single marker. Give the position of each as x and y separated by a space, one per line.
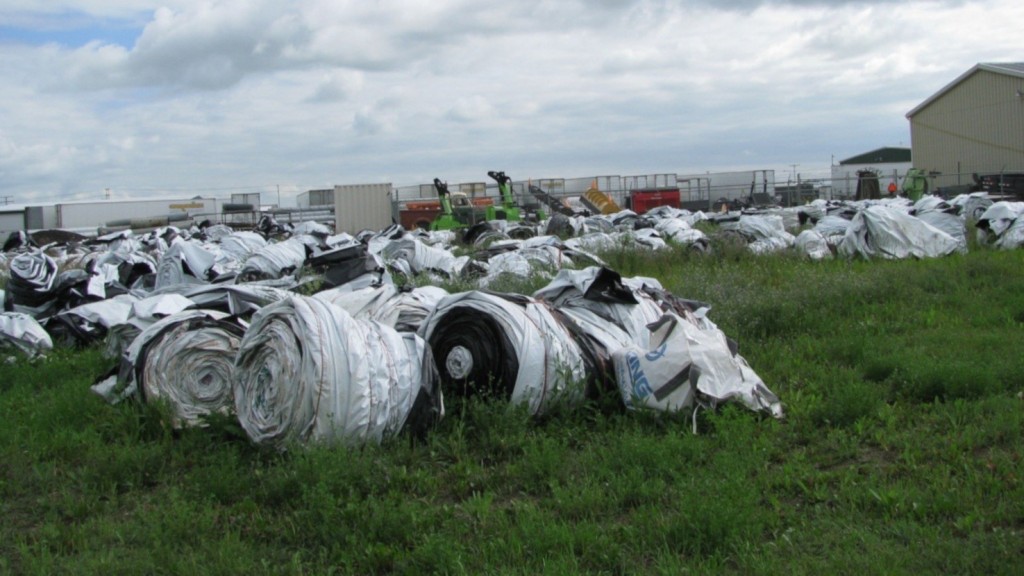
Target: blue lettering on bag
641 387
657 353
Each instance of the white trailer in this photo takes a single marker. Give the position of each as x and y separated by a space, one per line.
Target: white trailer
93 214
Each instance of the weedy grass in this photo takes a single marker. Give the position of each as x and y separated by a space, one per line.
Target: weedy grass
899 453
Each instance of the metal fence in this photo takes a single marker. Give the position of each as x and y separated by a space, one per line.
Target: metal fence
1006 182
696 191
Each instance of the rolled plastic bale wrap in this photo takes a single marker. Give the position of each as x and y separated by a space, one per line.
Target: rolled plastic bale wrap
403 310
508 345
185 360
307 371
31 285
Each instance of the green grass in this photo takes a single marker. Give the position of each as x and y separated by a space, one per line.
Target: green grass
900 453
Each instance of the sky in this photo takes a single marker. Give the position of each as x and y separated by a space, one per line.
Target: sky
174 98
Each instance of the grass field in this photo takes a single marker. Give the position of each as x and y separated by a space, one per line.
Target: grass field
901 452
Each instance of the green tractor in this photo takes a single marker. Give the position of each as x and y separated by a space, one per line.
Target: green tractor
446 220
915 184
508 209
457 209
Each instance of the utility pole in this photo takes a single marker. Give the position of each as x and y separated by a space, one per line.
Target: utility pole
278 195
7 199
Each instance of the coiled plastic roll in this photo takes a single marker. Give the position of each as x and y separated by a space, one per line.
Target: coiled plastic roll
506 345
307 371
187 361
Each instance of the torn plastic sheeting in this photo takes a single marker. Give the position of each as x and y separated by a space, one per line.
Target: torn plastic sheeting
312 228
510 346
605 293
685 365
235 299
185 262
24 332
185 360
763 233
972 206
832 228
146 311
932 203
1013 237
594 242
274 261
403 310
647 237
418 257
88 323
131 266
240 245
526 262
998 217
886 232
949 223
813 244
218 232
770 245
306 371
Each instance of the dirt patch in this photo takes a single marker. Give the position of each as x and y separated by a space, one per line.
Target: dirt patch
43 237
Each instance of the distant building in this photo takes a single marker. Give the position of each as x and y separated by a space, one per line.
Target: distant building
974 124
316 198
890 164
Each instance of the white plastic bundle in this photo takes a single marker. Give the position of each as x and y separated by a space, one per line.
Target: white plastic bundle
306 371
23 332
185 360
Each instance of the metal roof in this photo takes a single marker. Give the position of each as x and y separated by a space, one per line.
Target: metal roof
886 155
1015 69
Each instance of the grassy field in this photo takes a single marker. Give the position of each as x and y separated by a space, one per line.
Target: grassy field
901 453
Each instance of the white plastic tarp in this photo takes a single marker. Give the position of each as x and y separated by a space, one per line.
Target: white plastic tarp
888 232
812 244
185 262
23 332
685 364
274 260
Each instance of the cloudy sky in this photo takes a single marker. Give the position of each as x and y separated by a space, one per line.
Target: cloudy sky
165 98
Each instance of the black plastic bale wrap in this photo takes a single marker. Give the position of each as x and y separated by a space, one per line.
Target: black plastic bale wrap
32 281
494 363
509 346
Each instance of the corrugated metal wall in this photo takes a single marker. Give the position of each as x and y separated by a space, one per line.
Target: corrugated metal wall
977 126
362 206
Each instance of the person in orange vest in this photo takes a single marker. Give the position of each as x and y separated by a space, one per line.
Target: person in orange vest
892 188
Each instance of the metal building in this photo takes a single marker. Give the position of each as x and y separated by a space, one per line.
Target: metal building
973 125
315 198
890 164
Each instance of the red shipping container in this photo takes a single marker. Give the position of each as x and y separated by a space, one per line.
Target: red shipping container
643 200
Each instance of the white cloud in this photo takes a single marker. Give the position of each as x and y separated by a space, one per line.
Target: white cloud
261 93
